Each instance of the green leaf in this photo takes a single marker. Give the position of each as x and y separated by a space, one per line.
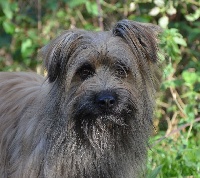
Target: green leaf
193 17
74 3
92 8
25 46
9 27
168 70
155 11
159 3
190 77
180 41
163 21
171 10
6 9
61 14
155 172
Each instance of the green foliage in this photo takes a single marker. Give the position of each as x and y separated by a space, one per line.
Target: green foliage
155 172
181 160
26 26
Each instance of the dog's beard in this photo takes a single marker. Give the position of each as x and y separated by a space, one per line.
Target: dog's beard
101 130
97 143
96 125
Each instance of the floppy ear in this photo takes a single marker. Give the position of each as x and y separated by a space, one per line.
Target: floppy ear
143 41
57 53
141 37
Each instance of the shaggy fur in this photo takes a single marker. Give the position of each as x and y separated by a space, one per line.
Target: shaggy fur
57 127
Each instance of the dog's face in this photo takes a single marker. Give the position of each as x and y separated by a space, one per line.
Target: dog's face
102 89
103 84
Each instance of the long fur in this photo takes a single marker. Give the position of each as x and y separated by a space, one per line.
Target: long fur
51 127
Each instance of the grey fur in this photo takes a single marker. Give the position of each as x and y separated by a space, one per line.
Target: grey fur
52 128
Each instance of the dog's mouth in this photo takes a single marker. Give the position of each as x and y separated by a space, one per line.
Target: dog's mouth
112 118
105 117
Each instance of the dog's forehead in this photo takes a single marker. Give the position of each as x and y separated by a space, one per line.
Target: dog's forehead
110 47
108 40
99 37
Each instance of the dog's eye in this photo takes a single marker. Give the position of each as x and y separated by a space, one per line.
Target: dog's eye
121 72
86 71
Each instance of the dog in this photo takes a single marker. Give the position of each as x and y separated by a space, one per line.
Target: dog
91 116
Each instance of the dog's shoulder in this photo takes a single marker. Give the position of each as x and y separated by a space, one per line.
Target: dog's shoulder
19 76
18 90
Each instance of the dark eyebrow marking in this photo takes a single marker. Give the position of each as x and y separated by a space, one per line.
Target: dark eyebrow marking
122 62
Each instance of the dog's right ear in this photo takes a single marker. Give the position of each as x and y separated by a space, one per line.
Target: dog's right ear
143 39
57 53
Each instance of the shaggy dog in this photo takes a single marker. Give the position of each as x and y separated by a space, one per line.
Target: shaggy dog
92 116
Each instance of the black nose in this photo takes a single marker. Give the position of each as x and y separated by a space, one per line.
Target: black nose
106 100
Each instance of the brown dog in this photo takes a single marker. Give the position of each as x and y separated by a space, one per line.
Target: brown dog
92 116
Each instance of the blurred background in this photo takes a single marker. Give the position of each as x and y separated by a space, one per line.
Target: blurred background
27 25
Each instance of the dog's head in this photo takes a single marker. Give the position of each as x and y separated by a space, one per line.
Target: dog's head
102 88
108 77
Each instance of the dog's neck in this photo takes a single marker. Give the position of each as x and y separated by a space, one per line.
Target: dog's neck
106 156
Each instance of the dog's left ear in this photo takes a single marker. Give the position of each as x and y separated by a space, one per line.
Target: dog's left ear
143 41
57 53
141 37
